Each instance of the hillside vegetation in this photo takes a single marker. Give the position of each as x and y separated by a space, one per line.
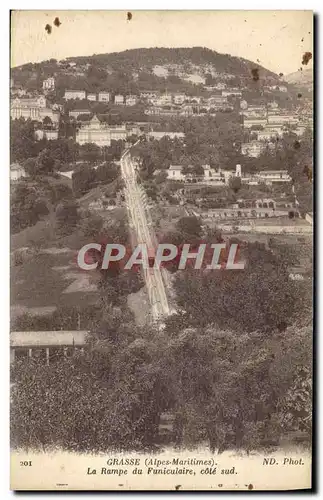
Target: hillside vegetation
133 70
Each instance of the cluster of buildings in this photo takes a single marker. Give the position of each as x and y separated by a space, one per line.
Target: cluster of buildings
221 177
267 124
103 96
35 108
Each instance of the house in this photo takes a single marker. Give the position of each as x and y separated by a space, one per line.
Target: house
179 98
255 112
172 135
49 84
270 132
175 172
131 100
91 97
74 94
253 149
217 102
76 112
164 100
17 172
220 86
254 122
104 97
275 118
231 92
273 176
118 99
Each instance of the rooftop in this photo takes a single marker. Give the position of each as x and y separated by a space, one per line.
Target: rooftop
48 338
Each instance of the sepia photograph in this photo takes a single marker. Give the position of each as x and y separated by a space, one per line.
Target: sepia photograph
161 250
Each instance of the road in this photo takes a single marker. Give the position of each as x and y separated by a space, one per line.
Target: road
140 220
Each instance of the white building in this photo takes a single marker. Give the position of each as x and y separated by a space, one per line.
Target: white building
179 98
171 135
131 100
164 100
50 135
104 96
34 108
254 122
285 119
100 133
175 172
74 113
118 99
270 177
74 94
49 84
91 97
252 149
227 93
17 172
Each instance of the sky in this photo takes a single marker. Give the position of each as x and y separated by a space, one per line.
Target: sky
275 39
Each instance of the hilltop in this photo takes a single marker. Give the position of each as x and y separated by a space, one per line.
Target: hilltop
134 70
302 78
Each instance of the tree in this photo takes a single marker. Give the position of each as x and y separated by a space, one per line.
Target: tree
26 207
107 172
45 162
90 152
190 226
30 166
22 141
60 192
235 183
67 216
83 179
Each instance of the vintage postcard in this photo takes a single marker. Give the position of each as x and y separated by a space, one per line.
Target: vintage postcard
161 174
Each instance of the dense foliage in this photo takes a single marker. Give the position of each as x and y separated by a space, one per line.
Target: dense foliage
227 390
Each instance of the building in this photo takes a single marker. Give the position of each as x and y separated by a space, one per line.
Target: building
179 98
91 97
217 102
47 346
270 177
163 100
148 95
50 135
34 108
269 133
254 122
49 84
104 97
172 135
76 112
17 172
74 94
253 149
232 92
118 99
100 133
175 172
280 119
131 100
255 112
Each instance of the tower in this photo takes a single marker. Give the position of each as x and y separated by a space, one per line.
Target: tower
238 170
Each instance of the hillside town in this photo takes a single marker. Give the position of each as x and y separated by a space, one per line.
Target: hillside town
149 147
